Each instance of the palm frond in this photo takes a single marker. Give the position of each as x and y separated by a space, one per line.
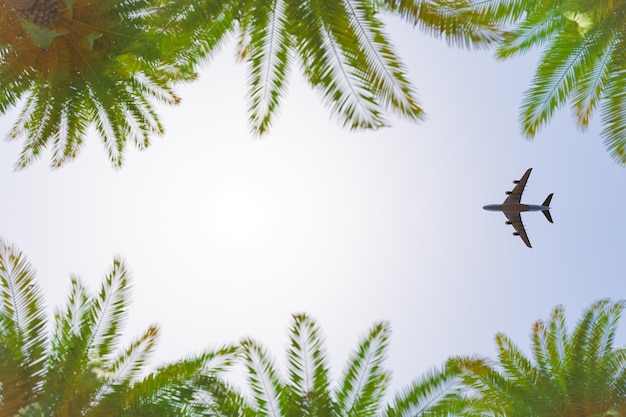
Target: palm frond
106 65
324 46
435 393
171 388
613 111
67 360
594 350
539 28
603 331
384 70
458 22
594 78
539 346
22 328
514 363
78 373
16 82
265 25
308 387
557 346
503 12
125 367
223 400
556 75
577 374
264 379
198 29
68 142
617 380
107 311
364 381
36 121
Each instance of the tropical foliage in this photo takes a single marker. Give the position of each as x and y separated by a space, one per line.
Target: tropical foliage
79 63
75 366
341 47
307 389
571 374
582 62
79 369
97 64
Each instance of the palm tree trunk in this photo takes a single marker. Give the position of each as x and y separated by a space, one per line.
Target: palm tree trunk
40 12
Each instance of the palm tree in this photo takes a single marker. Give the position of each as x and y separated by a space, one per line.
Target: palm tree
340 46
571 374
307 390
582 62
82 63
74 64
79 369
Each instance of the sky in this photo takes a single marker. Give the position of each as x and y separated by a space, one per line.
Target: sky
227 234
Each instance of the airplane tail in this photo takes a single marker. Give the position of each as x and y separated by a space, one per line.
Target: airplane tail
547 212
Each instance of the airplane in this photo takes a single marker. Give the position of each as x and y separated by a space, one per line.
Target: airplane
513 207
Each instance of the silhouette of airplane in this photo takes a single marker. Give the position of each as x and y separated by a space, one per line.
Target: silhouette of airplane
513 208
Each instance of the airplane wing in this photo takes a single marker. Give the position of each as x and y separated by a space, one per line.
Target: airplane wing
516 194
516 222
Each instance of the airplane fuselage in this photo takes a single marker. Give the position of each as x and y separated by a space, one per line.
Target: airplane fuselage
515 208
512 208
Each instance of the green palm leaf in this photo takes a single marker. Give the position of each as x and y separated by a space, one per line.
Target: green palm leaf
505 12
326 47
224 400
557 73
78 371
384 68
544 25
264 380
22 331
572 374
550 347
105 66
582 60
107 310
594 79
459 22
308 387
265 33
359 392
436 393
614 113
125 367
364 380
66 356
199 29
175 387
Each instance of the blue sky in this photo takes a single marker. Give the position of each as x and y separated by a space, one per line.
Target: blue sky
227 235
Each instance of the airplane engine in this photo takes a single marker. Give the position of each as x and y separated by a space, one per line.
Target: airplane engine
507 222
507 193
515 234
516 182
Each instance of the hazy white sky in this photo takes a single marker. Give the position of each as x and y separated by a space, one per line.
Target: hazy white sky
228 235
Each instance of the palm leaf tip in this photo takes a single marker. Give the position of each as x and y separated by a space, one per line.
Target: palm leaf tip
109 308
22 302
263 377
308 386
365 380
